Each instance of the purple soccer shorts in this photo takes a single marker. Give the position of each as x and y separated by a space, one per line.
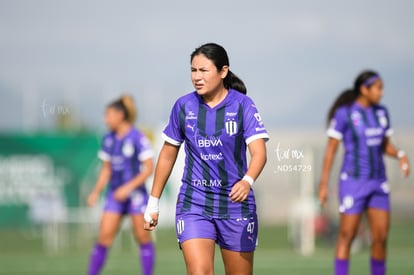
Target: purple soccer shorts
355 196
134 205
239 235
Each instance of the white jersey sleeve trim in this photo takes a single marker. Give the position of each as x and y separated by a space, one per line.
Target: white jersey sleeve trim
264 136
334 134
146 155
170 140
389 132
103 156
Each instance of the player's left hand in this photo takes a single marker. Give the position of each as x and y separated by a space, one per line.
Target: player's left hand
240 191
122 193
405 166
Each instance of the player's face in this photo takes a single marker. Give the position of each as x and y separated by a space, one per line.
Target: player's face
375 92
113 118
205 76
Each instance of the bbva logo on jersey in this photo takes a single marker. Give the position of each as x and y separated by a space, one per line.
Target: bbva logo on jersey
231 127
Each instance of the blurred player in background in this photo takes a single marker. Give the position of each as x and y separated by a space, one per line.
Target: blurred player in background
364 126
127 159
216 203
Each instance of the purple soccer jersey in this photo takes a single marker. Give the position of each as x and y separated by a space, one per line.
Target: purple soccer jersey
215 145
363 131
125 155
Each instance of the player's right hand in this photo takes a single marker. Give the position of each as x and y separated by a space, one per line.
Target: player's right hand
92 199
323 194
151 213
151 221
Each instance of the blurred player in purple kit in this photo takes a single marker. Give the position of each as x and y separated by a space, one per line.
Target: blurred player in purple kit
364 126
216 204
124 151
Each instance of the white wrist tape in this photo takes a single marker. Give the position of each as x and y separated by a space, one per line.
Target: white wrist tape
400 154
152 207
249 179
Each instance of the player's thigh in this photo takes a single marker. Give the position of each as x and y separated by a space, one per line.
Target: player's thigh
194 226
110 222
199 256
379 221
348 226
237 263
141 235
197 236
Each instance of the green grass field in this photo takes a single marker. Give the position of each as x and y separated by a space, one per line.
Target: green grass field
22 255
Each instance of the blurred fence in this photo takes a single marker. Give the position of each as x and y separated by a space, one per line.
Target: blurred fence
41 175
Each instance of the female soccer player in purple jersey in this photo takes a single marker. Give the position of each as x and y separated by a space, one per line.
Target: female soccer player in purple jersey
364 126
216 202
124 151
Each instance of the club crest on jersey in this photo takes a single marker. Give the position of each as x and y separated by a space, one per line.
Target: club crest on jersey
231 127
356 119
382 119
128 149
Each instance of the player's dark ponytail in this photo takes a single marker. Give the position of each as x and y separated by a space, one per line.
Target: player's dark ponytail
218 55
234 82
348 97
125 104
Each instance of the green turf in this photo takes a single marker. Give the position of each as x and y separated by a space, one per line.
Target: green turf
22 254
